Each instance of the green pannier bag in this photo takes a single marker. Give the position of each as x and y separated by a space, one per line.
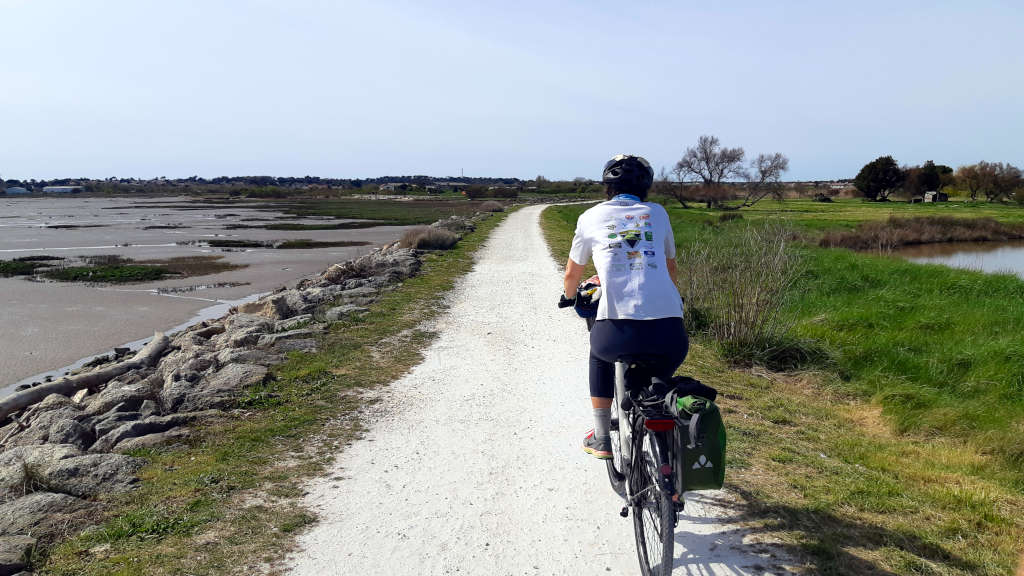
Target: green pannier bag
700 444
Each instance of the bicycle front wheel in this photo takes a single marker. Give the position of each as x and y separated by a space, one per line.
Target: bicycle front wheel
653 511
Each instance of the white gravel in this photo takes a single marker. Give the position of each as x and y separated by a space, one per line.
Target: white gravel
475 467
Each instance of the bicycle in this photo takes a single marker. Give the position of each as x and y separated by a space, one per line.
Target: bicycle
641 469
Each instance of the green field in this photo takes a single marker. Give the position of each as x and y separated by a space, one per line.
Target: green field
903 454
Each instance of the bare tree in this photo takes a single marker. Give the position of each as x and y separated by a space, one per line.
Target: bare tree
711 164
764 178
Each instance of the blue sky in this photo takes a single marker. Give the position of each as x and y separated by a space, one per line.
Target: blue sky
144 88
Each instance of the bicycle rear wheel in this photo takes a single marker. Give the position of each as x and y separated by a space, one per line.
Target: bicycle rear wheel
616 469
653 511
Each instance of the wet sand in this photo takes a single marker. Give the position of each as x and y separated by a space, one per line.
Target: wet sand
45 326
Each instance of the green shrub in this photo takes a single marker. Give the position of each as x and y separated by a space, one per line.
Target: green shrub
737 287
492 206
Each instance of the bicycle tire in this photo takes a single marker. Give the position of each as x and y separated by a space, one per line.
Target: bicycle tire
616 470
652 509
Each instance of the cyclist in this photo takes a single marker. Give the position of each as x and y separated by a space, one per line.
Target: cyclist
640 311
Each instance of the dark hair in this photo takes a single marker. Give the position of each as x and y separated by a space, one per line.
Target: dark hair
613 190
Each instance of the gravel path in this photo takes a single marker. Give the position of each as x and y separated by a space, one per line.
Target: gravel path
474 465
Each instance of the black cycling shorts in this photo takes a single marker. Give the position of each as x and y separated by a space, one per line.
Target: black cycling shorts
609 339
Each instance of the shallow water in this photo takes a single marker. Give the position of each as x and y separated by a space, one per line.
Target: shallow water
1004 257
48 325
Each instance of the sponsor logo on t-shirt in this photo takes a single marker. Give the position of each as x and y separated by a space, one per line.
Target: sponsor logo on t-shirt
647 224
610 226
632 237
649 236
652 265
645 216
615 245
648 252
632 255
636 266
629 216
613 235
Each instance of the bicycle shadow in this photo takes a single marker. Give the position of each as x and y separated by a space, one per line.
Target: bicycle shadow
715 537
711 541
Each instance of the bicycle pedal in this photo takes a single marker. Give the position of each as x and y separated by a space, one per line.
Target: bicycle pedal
624 512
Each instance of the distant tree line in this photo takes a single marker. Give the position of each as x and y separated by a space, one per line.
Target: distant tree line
883 177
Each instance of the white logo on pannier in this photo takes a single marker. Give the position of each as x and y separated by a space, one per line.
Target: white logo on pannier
702 462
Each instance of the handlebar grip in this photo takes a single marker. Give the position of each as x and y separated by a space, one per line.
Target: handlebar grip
564 302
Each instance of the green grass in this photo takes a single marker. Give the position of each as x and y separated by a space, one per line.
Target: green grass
118 274
904 457
19 267
229 502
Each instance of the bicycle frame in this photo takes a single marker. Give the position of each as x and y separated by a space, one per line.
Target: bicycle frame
630 423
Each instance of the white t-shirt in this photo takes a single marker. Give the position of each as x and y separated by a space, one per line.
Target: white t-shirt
629 242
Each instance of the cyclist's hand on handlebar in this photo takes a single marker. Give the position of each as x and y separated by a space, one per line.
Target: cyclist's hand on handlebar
564 302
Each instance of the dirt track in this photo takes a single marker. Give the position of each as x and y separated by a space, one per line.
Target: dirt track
474 466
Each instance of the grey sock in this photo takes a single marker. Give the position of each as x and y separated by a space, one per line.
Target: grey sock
602 420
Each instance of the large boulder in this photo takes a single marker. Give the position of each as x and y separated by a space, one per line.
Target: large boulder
66 469
72 432
219 390
42 514
392 262
244 356
268 340
92 474
129 398
54 408
170 437
151 425
19 466
14 553
343 311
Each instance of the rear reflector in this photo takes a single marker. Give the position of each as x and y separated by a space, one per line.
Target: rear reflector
660 425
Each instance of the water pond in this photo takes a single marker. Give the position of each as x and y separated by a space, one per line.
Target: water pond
1005 257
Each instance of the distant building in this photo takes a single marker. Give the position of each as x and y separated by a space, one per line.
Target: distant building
17 190
936 197
63 189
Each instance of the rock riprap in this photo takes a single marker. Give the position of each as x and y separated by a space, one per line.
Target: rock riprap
63 452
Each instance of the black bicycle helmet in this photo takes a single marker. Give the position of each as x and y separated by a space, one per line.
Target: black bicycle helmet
628 173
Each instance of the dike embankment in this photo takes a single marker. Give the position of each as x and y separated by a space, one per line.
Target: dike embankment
66 444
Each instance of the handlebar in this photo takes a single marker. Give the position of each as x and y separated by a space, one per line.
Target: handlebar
564 302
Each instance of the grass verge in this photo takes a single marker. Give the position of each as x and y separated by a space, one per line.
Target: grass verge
846 465
228 503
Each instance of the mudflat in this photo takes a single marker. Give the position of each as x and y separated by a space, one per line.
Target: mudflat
47 325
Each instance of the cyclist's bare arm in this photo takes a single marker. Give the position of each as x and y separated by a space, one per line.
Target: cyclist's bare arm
673 272
573 275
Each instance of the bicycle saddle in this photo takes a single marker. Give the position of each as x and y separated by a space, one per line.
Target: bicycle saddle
640 367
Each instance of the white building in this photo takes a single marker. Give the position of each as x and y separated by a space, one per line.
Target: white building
63 189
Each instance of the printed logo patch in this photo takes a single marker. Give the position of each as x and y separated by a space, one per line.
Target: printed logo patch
632 237
629 216
649 236
645 217
632 255
615 245
613 235
648 252
610 226
647 224
636 266
652 265
702 462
